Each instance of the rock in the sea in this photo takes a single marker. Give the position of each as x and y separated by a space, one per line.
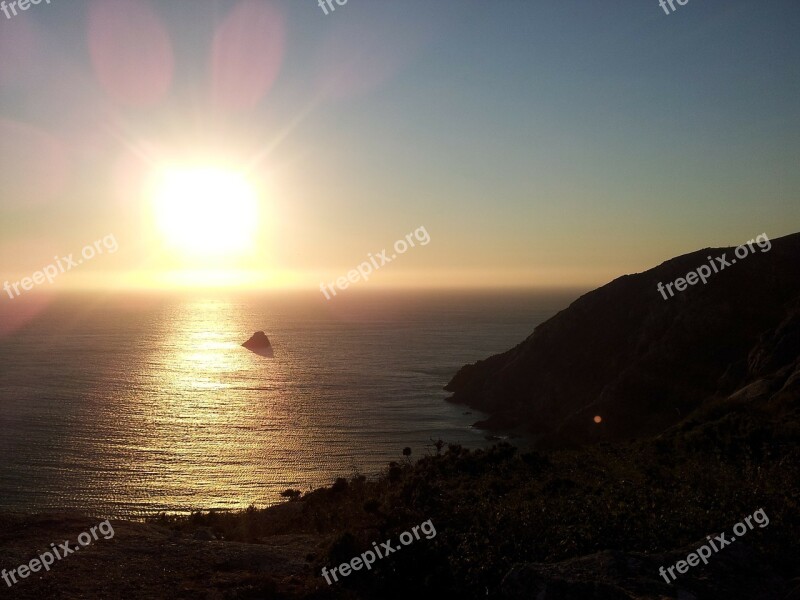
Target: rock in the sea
259 344
258 341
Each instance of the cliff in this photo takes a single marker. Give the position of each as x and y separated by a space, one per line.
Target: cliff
642 363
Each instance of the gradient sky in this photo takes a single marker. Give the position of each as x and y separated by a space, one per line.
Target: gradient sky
539 143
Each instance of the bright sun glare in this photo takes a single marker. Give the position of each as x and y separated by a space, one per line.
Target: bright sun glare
205 210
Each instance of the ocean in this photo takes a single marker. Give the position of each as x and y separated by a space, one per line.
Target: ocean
127 405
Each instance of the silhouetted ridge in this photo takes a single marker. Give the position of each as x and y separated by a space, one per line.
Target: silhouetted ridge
641 362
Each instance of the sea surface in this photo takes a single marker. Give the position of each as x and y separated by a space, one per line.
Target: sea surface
130 405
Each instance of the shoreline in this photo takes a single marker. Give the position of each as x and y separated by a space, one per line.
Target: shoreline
541 515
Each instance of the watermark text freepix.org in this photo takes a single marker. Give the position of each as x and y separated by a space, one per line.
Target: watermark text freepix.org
368 558
663 4
63 264
365 269
718 263
57 552
704 552
328 4
21 4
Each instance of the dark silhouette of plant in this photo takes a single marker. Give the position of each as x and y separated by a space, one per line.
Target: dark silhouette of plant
291 494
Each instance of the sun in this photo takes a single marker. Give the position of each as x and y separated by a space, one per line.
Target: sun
205 211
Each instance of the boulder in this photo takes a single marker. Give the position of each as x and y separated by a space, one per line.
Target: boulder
259 343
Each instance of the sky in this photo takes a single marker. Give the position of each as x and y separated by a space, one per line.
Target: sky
539 144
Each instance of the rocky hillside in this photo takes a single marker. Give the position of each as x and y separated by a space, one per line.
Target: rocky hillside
643 363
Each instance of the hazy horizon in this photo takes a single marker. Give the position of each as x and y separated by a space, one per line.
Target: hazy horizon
264 145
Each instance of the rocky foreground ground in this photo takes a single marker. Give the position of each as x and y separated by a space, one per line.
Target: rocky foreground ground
145 560
548 525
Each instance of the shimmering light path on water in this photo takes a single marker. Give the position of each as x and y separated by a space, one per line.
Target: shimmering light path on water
130 406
